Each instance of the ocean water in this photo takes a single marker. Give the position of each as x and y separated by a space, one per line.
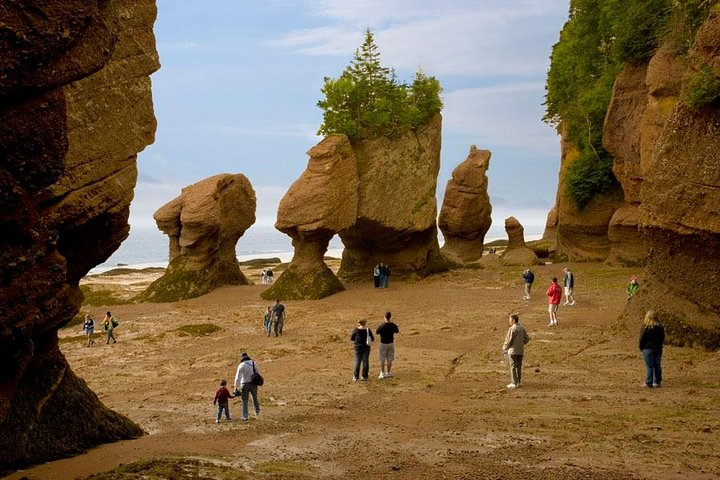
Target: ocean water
148 246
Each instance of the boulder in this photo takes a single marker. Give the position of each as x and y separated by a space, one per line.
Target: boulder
397 208
321 203
517 253
204 225
75 109
465 216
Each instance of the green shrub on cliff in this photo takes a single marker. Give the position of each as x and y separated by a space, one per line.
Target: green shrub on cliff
368 101
704 88
598 40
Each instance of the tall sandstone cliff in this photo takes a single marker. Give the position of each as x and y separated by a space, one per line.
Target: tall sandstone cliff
667 217
75 109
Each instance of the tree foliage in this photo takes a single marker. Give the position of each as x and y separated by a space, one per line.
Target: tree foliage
599 38
368 101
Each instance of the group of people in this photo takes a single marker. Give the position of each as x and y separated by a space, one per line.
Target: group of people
274 319
362 338
652 335
266 276
109 324
381 275
245 386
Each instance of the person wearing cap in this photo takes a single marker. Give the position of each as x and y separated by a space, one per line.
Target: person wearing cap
243 383
362 337
569 284
386 350
632 287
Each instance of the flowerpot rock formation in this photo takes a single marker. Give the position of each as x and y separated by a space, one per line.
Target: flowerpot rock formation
517 252
321 203
204 225
465 216
75 109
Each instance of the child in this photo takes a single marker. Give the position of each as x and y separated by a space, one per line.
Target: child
221 399
89 328
632 287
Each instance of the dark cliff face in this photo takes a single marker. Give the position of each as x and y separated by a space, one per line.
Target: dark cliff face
75 108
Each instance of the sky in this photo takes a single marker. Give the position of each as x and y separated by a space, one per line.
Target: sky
239 83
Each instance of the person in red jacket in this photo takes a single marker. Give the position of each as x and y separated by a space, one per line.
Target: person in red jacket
222 397
554 293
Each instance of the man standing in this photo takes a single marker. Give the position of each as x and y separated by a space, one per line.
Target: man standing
278 313
529 277
387 331
243 382
554 293
514 347
569 284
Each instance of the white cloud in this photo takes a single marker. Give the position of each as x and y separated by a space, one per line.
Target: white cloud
507 115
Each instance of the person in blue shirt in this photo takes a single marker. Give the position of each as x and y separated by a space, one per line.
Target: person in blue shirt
528 277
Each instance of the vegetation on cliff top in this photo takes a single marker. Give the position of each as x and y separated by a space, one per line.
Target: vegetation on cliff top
599 38
367 100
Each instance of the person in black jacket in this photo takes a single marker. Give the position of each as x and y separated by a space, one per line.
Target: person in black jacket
362 338
652 337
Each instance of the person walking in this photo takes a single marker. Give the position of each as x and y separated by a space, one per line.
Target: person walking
514 349
386 350
569 284
244 384
278 314
362 338
554 293
109 324
652 337
222 397
528 277
89 328
632 287
267 321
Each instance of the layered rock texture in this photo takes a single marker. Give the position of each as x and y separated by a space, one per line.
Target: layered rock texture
75 109
321 203
465 216
679 211
397 207
204 224
517 252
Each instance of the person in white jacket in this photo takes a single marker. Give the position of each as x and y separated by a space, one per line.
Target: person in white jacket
243 383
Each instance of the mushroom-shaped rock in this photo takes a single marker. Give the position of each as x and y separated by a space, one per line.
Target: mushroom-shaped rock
465 216
204 224
397 207
517 253
321 203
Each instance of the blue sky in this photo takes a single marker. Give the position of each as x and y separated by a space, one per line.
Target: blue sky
239 83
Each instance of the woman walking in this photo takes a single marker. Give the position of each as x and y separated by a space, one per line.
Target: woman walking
652 337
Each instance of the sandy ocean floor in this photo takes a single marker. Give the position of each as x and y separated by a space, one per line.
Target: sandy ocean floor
446 414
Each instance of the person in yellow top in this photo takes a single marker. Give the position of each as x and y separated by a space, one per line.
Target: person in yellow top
514 349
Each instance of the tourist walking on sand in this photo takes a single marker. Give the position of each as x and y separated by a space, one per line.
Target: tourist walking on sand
528 277
109 324
278 317
222 397
269 276
362 338
569 284
554 293
89 328
263 277
386 350
632 287
243 383
267 320
514 349
652 337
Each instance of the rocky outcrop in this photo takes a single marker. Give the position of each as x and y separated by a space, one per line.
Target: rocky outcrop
679 198
397 208
75 109
465 216
321 203
517 252
204 225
